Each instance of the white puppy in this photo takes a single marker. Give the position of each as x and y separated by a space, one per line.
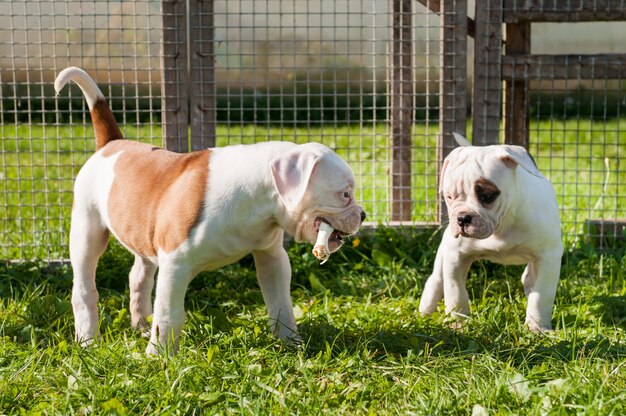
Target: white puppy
503 209
185 213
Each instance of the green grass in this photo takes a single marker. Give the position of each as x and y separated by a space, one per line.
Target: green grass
40 162
366 351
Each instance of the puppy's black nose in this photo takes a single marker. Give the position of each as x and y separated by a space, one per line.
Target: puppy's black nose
363 216
463 220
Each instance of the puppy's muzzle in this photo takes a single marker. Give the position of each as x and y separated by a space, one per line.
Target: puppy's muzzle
464 219
470 224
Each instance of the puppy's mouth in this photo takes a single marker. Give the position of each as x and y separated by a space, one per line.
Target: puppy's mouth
336 238
478 230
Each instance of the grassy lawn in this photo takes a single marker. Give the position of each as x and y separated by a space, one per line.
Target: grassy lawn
367 351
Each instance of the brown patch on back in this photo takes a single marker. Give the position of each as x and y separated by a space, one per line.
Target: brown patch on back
157 195
104 124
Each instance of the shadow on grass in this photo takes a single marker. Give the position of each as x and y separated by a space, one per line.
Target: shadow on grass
571 350
385 264
321 336
611 309
431 341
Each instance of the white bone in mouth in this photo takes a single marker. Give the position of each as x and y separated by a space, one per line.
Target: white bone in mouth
320 250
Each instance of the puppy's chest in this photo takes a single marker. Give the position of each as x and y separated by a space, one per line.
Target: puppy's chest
509 257
503 252
216 244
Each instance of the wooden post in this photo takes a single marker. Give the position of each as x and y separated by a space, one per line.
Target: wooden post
174 76
435 7
517 95
453 84
202 75
402 85
487 96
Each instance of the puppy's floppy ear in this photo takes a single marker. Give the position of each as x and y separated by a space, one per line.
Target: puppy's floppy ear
517 155
291 173
443 173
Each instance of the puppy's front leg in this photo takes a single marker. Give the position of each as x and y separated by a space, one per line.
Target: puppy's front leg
433 289
540 280
455 296
169 307
273 271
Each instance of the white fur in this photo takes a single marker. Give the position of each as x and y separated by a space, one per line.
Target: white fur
253 195
243 213
84 81
523 228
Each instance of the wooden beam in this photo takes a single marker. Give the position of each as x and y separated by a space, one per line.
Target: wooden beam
487 95
202 75
517 96
174 76
453 84
516 11
402 85
435 7
536 67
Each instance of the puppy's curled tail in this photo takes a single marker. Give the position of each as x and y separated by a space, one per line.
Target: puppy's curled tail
104 124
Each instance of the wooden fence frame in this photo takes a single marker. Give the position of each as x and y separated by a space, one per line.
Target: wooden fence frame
189 120
510 60
189 113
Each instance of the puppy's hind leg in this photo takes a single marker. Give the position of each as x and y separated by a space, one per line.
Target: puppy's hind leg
88 241
169 306
141 281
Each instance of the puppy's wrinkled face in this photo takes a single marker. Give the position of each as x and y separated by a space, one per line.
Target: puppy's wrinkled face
474 185
330 198
315 185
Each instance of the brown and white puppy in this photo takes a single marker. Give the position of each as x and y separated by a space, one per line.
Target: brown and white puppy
502 209
184 213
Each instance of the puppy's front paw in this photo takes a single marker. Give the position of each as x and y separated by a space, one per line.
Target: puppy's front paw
456 320
88 342
427 308
289 336
152 349
538 328
294 341
142 327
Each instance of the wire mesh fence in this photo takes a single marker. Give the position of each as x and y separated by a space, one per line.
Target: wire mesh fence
321 71
45 140
569 101
377 81
283 70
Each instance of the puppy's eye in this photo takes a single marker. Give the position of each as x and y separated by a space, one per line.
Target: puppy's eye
346 194
486 195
